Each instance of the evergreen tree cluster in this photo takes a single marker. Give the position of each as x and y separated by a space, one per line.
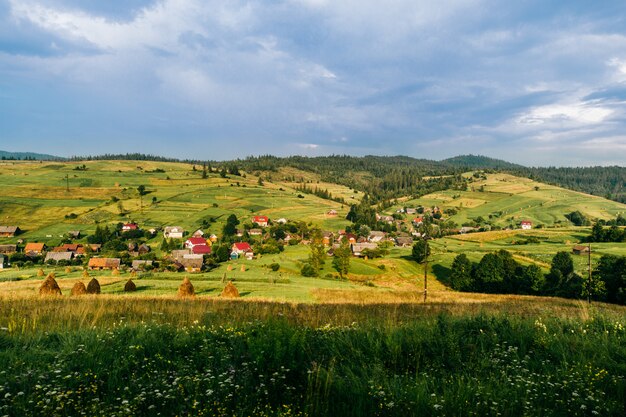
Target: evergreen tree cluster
610 234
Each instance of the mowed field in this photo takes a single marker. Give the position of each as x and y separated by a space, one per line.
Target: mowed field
509 200
34 196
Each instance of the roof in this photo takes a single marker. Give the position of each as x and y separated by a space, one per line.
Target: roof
242 246
377 233
526 222
359 247
196 241
132 226
201 249
191 262
104 262
255 231
260 219
404 240
8 248
581 248
8 229
34 247
139 262
59 256
173 229
75 233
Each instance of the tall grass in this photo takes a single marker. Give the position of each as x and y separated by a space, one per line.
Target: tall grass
111 357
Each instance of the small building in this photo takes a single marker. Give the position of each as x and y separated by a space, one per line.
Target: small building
103 263
255 232
140 265
8 249
411 210
34 248
192 263
384 218
195 241
350 236
173 232
240 248
332 212
213 238
376 236
328 238
418 221
130 226
9 231
404 242
282 220
262 221
197 233
580 250
74 234
468 229
358 248
526 225
143 249
59 256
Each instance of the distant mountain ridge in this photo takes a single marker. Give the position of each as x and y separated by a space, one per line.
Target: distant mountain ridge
29 156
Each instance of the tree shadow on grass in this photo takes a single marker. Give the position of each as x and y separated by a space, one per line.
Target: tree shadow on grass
442 273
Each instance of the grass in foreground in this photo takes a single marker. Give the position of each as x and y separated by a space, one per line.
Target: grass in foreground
110 356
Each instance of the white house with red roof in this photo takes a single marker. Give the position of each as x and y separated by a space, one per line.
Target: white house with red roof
129 226
240 248
262 221
201 250
195 241
527 225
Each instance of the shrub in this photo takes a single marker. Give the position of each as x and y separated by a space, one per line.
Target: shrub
274 266
308 271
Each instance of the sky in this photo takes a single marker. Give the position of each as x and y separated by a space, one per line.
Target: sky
533 82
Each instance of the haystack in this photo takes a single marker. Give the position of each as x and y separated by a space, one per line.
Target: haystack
243 268
50 287
186 289
79 289
130 286
68 270
229 268
230 291
85 273
133 274
115 271
93 287
40 273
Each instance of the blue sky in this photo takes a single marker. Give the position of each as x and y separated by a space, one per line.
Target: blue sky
533 82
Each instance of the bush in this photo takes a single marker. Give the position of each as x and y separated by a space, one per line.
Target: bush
308 271
274 266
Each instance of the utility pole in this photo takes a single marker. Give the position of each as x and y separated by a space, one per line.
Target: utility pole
589 286
425 279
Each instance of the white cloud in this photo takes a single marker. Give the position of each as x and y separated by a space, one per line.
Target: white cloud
310 146
580 113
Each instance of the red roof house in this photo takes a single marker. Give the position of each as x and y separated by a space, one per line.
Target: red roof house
195 241
130 226
241 247
201 250
261 220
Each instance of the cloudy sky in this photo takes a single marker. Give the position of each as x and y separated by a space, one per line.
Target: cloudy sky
534 82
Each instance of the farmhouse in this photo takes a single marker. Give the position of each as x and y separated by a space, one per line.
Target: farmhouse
9 231
59 256
138 265
197 233
527 225
580 250
404 242
418 221
34 248
7 249
358 248
104 263
74 234
376 236
262 221
332 212
255 232
241 248
129 226
173 232
195 241
192 263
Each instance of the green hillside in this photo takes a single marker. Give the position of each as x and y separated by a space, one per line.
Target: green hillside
506 200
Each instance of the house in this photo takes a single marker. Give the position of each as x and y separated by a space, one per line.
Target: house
103 263
328 238
132 247
7 249
173 232
74 234
201 250
34 248
358 248
331 212
404 242
400 210
376 236
255 232
384 218
9 231
418 221
59 256
129 226
282 220
140 264
197 233
143 249
192 263
1 261
350 236
468 229
411 210
527 225
262 221
195 241
213 238
240 248
580 250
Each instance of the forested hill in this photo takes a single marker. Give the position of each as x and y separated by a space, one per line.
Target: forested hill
27 156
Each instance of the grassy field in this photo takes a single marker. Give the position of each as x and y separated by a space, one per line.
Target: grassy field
509 200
